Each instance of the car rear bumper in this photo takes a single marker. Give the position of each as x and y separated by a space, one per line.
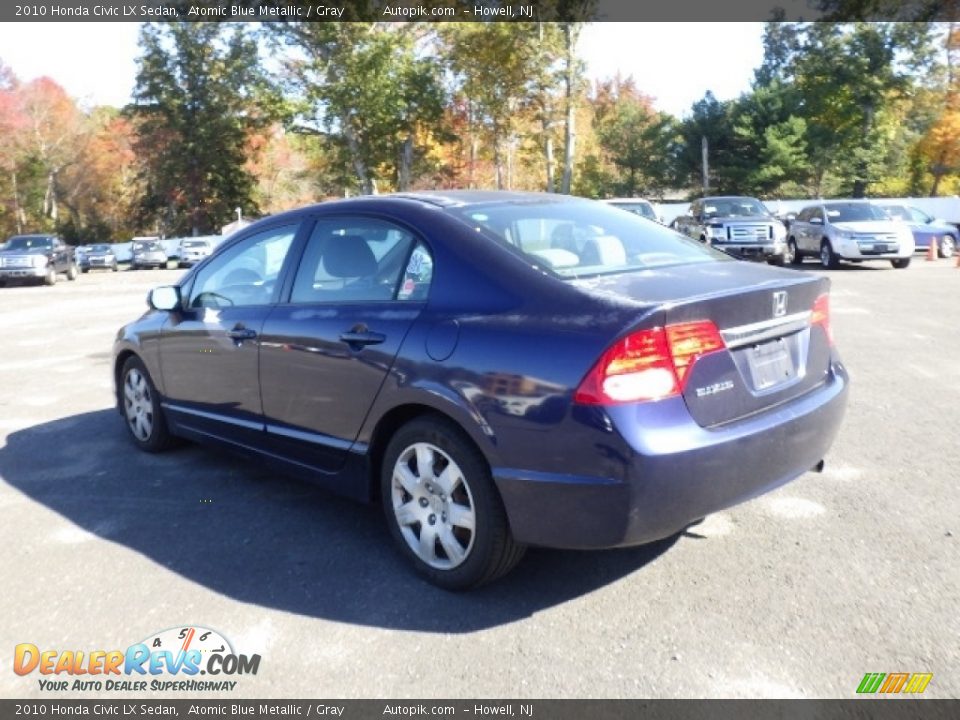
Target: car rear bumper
677 472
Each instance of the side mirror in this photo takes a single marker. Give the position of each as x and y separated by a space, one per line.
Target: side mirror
816 221
165 297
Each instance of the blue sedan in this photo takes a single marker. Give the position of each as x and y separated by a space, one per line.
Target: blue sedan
498 370
926 228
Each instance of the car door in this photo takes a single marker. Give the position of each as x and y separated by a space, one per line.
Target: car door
813 230
209 351
326 351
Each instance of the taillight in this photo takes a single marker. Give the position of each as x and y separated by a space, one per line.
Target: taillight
821 315
648 364
691 341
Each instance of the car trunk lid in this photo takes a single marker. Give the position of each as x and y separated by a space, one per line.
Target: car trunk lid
774 346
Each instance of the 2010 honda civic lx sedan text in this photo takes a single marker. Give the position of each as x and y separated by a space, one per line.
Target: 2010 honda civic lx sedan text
498 369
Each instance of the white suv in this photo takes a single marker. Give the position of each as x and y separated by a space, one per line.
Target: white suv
193 250
849 230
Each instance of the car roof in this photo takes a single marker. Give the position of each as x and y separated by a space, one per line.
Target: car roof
438 198
627 200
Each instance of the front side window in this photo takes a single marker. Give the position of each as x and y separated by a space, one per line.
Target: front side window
575 238
356 259
247 273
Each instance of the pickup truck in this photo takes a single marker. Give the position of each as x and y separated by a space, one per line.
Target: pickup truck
37 257
740 226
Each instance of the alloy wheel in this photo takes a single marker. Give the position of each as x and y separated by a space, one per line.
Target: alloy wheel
138 404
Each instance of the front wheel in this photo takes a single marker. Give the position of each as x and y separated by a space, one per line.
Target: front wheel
828 258
141 408
442 507
793 253
901 263
51 277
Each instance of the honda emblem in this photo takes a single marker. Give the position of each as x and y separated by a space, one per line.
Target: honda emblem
779 304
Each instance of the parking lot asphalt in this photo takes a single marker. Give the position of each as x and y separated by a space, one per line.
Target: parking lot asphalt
795 594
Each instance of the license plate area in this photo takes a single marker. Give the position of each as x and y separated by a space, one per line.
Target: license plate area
770 364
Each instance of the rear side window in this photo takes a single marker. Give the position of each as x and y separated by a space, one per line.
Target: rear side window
351 260
576 238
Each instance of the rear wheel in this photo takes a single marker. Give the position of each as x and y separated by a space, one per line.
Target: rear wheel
442 507
141 408
828 258
72 272
901 263
948 246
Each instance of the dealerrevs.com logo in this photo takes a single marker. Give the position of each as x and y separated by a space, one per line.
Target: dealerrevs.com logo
183 653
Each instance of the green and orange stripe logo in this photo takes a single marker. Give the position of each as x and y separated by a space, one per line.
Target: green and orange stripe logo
892 683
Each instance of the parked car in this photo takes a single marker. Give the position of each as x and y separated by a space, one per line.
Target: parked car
450 355
849 230
193 250
148 254
98 256
740 226
638 206
36 257
925 229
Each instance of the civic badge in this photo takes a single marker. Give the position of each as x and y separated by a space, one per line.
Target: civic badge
780 303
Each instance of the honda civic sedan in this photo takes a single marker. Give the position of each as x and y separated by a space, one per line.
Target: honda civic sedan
498 370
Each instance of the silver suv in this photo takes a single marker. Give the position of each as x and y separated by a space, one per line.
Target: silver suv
740 226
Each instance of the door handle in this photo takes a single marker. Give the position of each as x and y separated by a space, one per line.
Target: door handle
360 338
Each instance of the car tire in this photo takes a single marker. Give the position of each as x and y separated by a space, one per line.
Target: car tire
901 263
72 272
84 270
778 260
51 277
142 413
828 258
948 246
796 256
115 268
472 550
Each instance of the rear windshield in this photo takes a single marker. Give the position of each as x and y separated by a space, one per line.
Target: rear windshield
579 238
854 212
99 248
194 243
148 246
637 208
25 242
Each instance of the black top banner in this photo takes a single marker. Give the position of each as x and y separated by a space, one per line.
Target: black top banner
482 11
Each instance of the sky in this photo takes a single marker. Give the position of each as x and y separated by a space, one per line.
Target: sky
96 62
